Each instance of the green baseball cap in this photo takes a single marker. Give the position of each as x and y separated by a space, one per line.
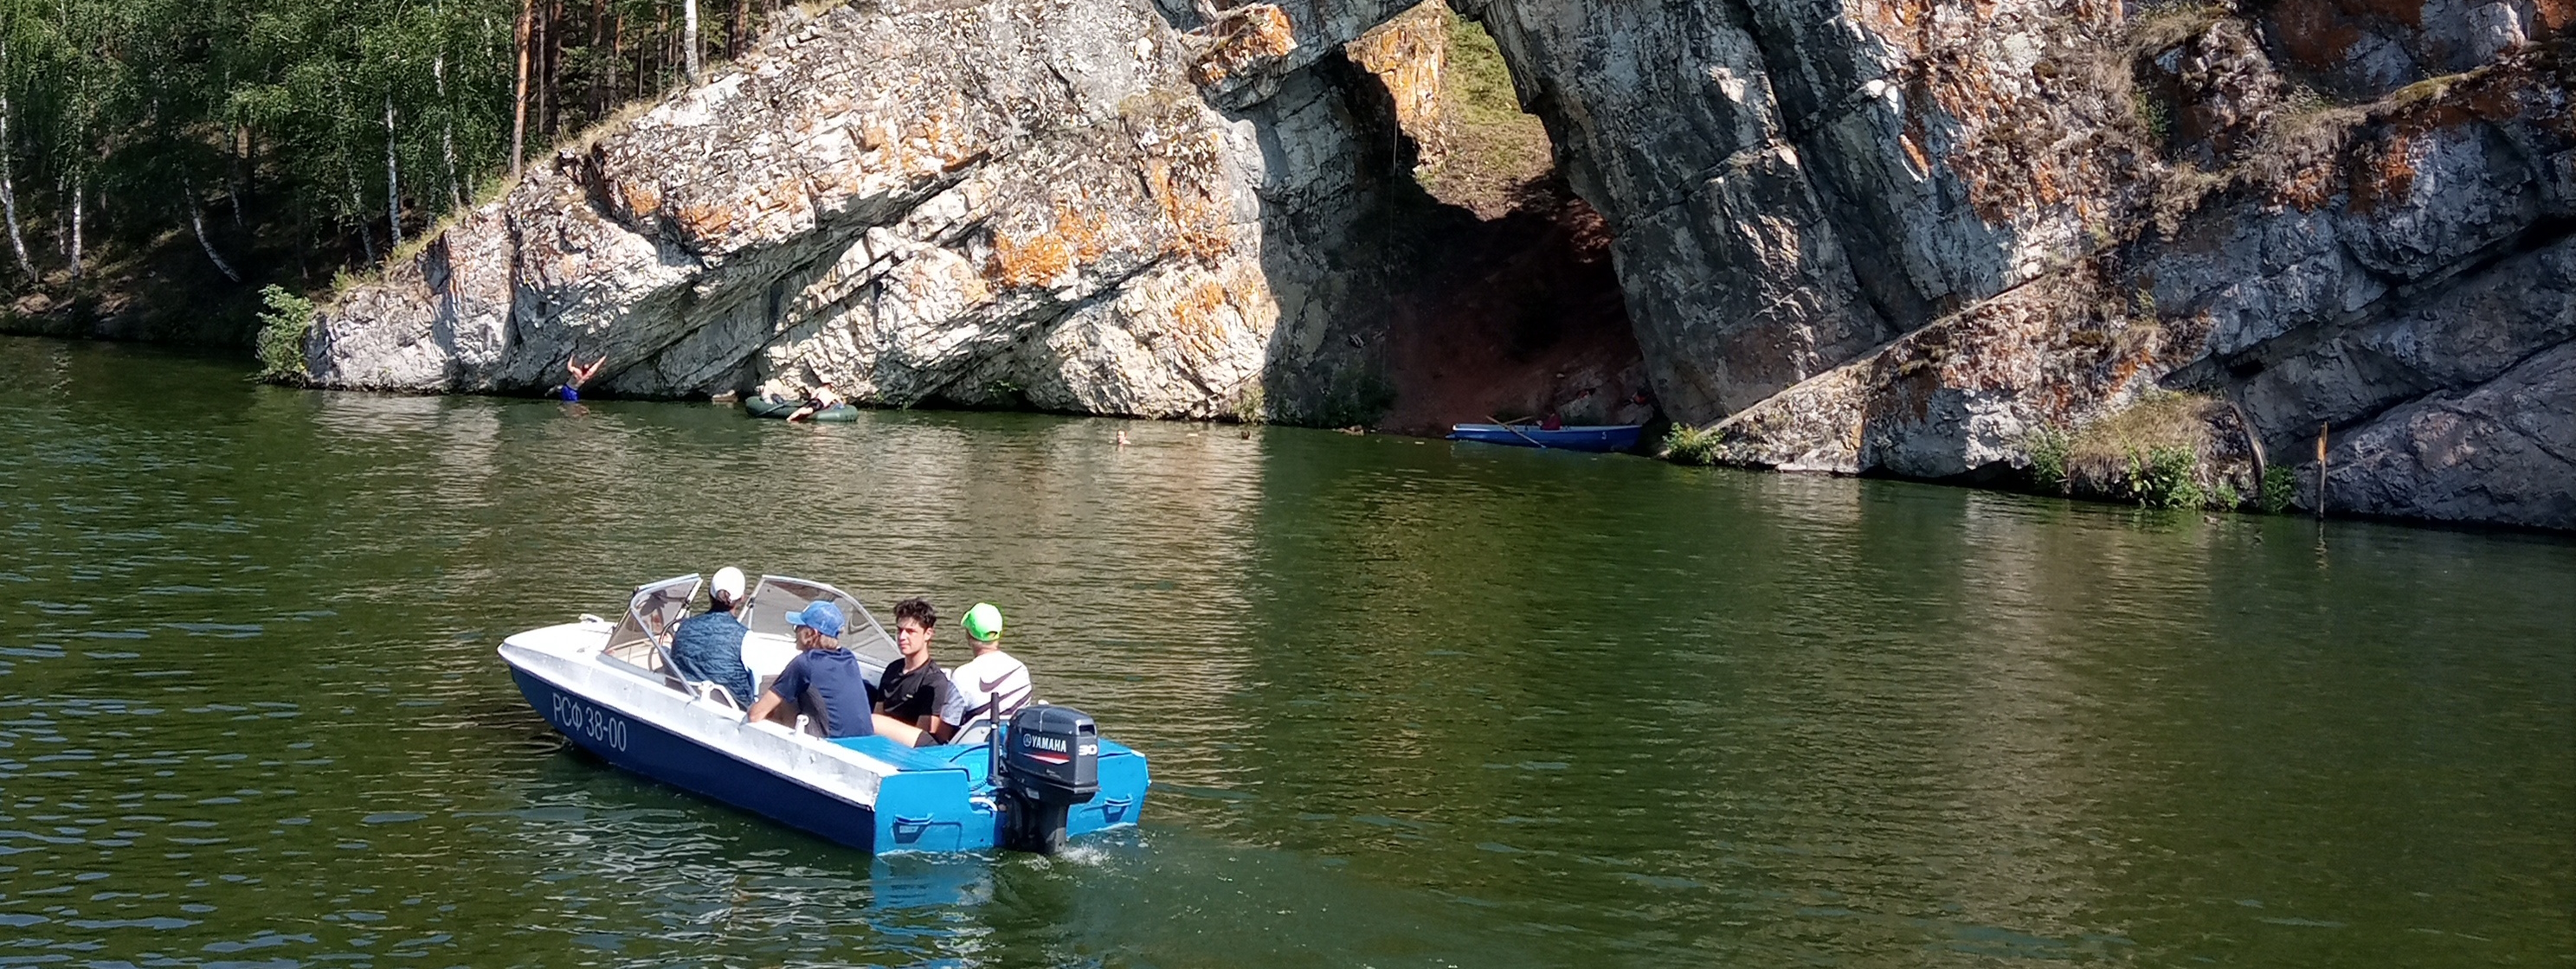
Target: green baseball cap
984 622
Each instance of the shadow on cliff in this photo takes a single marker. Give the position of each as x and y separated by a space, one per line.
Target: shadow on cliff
1405 313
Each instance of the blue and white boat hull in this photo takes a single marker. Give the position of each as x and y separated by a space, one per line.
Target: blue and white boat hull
636 744
864 792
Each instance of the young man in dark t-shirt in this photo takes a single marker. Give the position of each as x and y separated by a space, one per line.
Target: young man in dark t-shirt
916 690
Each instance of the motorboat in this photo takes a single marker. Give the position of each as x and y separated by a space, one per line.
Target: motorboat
1034 780
1588 437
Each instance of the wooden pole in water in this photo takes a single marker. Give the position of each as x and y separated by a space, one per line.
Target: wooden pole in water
2321 472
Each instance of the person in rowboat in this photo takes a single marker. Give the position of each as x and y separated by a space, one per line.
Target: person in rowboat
916 692
824 398
823 682
990 687
707 647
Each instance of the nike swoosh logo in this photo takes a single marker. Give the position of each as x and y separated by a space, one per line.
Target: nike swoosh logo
986 686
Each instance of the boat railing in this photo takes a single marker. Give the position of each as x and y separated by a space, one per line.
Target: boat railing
778 596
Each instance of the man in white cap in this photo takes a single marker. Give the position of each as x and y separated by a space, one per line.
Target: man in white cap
990 687
708 646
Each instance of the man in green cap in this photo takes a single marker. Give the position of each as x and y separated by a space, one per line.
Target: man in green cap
990 687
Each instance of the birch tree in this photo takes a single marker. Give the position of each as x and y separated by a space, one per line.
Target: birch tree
689 35
8 169
123 121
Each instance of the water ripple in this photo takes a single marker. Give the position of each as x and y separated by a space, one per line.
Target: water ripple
1409 703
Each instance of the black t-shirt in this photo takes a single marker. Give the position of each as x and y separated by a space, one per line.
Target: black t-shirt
910 696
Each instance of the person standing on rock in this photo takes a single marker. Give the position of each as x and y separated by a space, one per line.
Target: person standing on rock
580 375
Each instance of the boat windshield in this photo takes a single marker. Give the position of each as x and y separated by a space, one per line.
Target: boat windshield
777 596
650 614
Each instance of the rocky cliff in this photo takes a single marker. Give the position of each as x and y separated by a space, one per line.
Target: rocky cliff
2036 216
1851 235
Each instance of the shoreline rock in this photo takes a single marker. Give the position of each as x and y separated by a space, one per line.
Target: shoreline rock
1859 236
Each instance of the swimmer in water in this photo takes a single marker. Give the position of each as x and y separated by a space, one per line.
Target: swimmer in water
580 375
1122 439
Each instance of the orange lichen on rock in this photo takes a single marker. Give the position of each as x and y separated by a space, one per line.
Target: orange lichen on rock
704 221
1914 153
1247 37
1196 217
1041 260
1894 20
2309 188
2000 129
2314 34
2382 174
932 143
640 198
1200 316
1071 240
1410 55
2552 16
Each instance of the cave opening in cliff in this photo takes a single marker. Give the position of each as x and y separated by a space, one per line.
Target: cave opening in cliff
1502 302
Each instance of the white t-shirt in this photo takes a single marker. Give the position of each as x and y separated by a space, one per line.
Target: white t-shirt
992 683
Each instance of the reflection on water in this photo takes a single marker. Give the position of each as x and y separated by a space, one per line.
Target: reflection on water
1409 703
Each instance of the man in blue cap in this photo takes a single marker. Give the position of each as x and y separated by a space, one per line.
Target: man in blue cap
823 682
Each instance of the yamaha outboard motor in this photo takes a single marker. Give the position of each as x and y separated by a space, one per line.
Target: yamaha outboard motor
1050 762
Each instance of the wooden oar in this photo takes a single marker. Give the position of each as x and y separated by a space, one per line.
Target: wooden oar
1516 432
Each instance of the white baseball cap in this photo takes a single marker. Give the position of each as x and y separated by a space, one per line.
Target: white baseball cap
728 583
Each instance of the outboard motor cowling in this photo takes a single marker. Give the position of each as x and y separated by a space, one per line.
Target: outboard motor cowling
1050 762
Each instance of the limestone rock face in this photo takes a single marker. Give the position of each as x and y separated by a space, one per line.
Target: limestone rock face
1018 202
2497 452
2033 220
1851 235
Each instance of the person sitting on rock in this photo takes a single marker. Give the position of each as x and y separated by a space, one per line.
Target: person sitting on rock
707 647
823 682
824 398
580 375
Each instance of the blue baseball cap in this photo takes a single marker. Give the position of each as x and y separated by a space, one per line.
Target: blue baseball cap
822 617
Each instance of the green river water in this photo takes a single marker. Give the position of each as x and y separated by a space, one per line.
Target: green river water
1408 703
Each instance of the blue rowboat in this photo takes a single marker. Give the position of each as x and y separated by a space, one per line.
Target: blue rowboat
1590 437
609 690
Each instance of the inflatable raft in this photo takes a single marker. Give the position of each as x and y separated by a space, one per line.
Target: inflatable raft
764 407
